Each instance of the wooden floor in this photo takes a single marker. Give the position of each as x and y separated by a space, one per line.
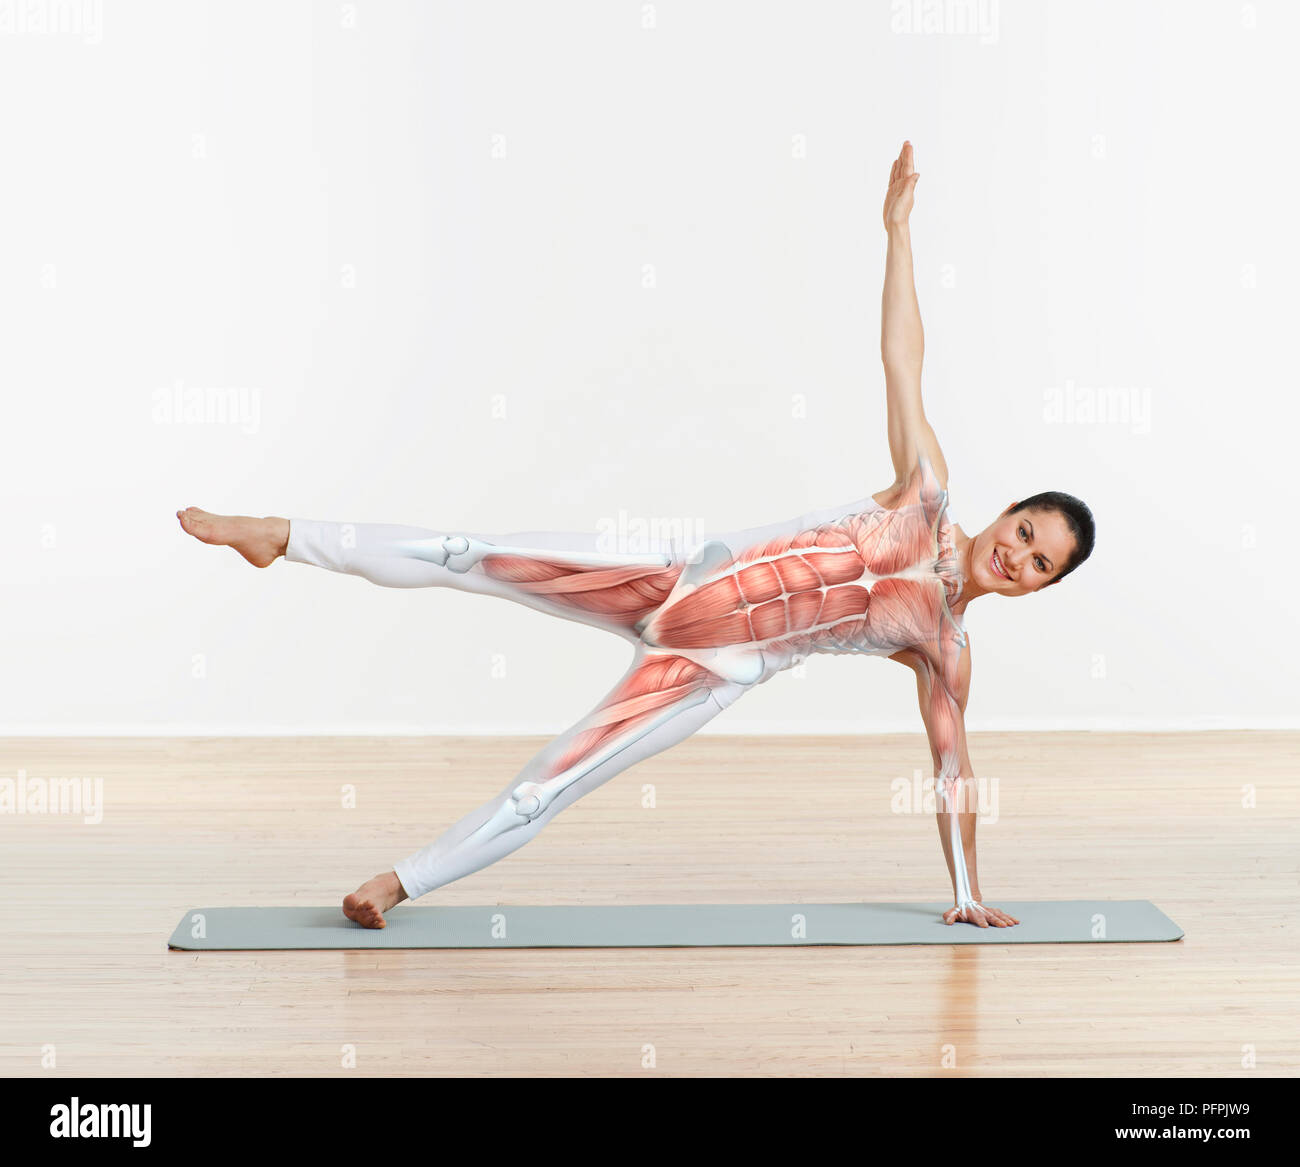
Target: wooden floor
87 981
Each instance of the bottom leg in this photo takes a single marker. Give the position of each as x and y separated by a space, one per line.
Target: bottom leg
662 700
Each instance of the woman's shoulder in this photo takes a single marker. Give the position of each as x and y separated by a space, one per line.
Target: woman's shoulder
897 494
922 485
888 498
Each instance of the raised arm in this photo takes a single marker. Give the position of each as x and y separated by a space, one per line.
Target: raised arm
943 709
902 340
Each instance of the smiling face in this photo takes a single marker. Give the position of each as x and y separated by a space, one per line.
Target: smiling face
1020 553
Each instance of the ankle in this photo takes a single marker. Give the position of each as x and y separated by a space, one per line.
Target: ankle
279 532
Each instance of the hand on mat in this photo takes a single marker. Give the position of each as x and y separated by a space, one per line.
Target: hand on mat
981 915
902 181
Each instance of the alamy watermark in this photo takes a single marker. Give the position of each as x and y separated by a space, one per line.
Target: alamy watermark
101 1120
945 18
32 795
628 534
918 795
83 18
182 404
1072 404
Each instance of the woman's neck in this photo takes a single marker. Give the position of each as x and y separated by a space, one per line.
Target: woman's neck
965 547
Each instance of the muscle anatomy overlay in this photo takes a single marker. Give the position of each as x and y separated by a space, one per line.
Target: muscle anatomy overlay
707 623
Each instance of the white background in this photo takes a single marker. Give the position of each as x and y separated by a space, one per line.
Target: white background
519 266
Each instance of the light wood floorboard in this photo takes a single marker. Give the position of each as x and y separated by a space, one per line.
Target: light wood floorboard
85 971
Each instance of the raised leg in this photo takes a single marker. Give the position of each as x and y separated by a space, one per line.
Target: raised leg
660 701
566 574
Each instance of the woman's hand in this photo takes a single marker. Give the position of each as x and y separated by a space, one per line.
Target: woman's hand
902 181
980 915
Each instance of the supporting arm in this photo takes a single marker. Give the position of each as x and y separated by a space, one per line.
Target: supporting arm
944 716
945 727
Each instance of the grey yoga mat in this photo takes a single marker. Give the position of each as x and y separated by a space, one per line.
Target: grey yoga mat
670 926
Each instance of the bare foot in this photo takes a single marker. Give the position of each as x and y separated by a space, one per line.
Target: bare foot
260 541
373 898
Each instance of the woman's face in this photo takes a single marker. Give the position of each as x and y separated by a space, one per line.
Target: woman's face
1018 554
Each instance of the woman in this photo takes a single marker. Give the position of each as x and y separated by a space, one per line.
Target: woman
889 575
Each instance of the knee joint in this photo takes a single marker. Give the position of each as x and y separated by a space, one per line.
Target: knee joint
528 800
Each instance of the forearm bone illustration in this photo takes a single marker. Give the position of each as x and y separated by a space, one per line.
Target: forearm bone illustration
948 736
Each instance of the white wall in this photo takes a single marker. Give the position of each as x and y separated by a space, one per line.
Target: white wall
311 203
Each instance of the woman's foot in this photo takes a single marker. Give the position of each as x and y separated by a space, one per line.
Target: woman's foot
373 898
260 541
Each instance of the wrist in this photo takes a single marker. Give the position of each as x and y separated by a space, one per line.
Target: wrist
900 231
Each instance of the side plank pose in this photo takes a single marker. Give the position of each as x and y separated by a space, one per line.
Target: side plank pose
887 575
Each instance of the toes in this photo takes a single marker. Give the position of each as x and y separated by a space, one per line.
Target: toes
363 911
191 518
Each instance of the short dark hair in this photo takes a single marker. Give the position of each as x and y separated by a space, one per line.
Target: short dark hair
1078 518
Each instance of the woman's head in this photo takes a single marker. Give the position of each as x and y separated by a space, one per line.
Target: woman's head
1033 544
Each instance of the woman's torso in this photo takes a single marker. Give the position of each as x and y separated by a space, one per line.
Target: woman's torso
862 577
